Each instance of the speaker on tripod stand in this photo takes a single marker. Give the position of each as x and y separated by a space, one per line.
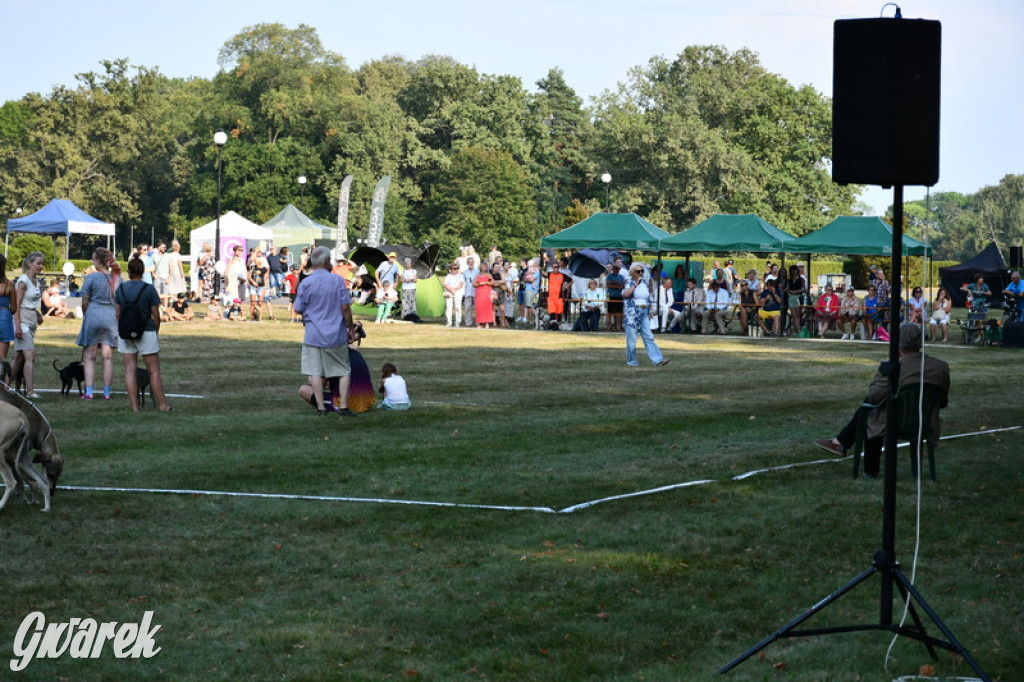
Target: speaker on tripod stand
885 114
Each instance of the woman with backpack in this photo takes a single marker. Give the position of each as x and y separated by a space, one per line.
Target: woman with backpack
137 306
99 325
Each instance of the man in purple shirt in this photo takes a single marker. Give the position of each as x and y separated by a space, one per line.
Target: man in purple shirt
325 305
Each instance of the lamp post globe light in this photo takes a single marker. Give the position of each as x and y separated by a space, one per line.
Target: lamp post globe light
220 138
606 178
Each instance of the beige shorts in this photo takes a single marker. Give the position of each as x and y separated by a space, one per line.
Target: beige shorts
325 362
28 333
149 344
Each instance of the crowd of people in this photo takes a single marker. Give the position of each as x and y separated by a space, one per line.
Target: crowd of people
638 299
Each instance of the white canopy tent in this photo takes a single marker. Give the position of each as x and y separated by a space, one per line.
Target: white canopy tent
234 231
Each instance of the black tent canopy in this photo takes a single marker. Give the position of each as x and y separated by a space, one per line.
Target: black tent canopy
423 259
989 262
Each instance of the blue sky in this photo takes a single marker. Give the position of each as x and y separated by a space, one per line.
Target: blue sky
595 43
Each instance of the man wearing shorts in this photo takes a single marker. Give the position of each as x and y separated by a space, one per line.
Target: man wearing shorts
324 302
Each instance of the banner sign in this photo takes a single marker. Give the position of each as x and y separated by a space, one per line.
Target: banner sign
380 194
341 246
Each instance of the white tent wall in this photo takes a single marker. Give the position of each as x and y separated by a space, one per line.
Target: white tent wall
234 229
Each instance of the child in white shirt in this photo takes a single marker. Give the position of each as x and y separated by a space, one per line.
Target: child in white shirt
394 390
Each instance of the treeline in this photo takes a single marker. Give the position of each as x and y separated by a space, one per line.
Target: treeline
474 158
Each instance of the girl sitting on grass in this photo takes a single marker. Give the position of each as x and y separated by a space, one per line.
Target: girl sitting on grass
394 390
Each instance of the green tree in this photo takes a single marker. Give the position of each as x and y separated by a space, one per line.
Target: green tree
559 126
714 132
484 198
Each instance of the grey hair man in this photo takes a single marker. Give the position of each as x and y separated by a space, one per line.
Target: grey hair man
325 305
913 369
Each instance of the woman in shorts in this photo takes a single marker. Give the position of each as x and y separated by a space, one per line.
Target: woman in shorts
257 281
142 295
940 316
27 319
850 313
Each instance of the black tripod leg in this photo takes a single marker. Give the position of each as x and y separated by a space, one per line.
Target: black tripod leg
918 624
955 645
788 627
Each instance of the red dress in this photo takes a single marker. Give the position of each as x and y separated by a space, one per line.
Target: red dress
555 304
484 306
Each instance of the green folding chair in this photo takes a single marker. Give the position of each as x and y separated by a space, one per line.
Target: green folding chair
907 400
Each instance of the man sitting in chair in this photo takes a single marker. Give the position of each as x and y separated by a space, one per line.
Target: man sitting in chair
718 303
936 372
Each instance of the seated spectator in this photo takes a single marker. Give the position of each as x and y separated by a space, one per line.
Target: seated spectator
718 302
668 315
213 312
73 291
51 303
747 306
850 313
235 311
593 302
180 310
826 310
387 297
915 370
771 307
940 317
366 291
873 314
915 306
978 294
693 306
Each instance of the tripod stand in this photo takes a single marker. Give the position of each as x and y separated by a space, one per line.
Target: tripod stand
884 562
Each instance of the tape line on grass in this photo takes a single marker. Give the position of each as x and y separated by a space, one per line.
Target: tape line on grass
497 507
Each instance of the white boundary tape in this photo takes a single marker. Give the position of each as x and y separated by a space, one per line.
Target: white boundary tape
496 507
169 395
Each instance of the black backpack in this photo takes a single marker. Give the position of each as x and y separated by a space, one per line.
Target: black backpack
132 322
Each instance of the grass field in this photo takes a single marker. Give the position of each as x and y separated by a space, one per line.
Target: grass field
666 586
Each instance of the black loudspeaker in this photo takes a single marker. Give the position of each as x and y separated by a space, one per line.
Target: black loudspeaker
1013 335
885 102
1016 257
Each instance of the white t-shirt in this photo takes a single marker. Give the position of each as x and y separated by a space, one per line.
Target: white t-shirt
453 280
395 390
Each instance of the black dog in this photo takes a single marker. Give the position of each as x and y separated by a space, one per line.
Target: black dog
142 379
6 374
73 372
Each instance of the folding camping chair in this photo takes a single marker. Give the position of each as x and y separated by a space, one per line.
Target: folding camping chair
907 403
974 327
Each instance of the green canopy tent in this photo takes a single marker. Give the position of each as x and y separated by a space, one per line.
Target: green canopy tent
294 229
729 233
856 235
620 231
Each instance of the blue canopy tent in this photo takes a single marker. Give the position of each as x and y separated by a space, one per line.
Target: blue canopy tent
58 218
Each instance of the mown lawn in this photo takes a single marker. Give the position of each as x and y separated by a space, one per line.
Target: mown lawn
666 586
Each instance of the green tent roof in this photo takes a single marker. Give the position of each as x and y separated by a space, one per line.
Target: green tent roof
857 235
745 232
292 218
624 231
